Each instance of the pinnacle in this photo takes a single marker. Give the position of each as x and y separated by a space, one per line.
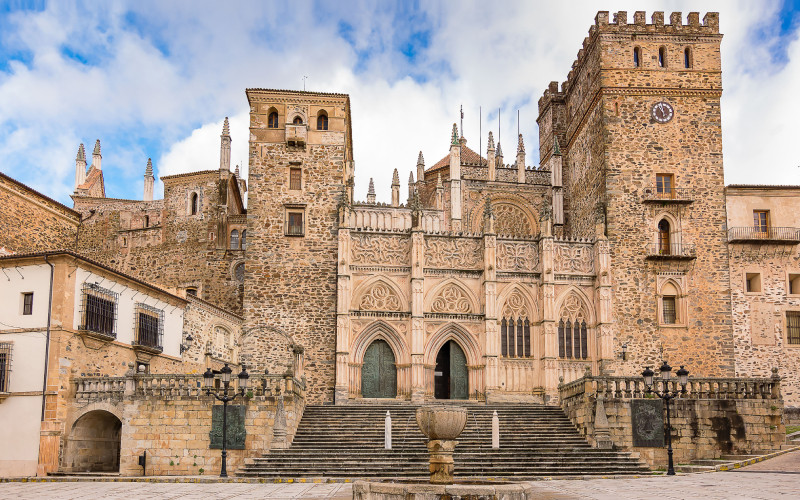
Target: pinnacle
371 190
454 139
395 178
411 177
236 171
81 154
226 130
491 141
438 180
420 159
520 145
499 149
556 149
96 147
148 172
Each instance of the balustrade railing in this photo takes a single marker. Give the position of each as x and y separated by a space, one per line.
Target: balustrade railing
671 250
675 195
697 388
788 234
100 387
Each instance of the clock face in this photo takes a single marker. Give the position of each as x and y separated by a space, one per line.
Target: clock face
662 112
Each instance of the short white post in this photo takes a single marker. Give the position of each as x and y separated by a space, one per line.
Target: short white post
387 432
495 431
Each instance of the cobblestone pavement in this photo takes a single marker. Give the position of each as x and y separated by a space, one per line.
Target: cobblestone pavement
777 478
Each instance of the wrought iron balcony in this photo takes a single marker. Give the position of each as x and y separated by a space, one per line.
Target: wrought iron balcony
675 251
668 195
764 235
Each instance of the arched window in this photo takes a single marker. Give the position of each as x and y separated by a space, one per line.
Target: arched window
662 57
687 57
244 239
637 57
664 246
193 204
272 120
515 328
234 239
573 335
297 120
669 305
322 121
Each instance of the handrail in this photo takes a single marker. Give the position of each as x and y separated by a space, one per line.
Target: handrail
764 234
653 193
682 250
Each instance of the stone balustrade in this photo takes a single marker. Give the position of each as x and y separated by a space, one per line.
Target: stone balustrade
388 218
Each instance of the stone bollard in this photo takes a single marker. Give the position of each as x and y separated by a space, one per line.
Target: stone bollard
495 431
387 432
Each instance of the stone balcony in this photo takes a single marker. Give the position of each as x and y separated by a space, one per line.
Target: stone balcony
673 251
764 235
296 135
669 195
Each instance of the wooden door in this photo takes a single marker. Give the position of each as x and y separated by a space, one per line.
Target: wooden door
378 372
459 380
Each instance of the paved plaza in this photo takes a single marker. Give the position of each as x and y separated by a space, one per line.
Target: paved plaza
772 479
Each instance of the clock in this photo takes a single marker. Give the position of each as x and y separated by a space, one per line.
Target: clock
662 112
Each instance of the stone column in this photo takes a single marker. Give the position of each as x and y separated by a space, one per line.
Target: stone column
550 353
491 346
603 303
417 315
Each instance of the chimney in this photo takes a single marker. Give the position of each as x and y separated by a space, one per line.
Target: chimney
225 147
148 181
80 167
96 156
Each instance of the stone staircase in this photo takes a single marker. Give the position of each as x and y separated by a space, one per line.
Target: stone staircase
348 442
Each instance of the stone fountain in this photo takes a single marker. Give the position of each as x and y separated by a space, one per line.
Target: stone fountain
441 424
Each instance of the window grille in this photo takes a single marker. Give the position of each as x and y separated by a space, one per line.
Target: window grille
149 326
27 303
669 310
5 365
234 239
295 224
793 327
99 310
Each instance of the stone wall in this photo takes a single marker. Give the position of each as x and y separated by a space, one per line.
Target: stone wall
715 417
32 222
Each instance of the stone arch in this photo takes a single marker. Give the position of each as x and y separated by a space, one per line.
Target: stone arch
530 303
674 225
93 444
380 330
582 299
272 349
297 114
451 296
461 336
322 120
503 206
379 293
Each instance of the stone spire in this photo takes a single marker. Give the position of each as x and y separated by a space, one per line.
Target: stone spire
520 145
420 167
96 156
439 181
520 161
439 192
410 186
80 167
149 181
499 155
236 172
395 189
454 139
490 158
225 147
371 192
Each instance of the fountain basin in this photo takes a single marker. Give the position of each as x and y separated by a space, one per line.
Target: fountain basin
366 490
442 422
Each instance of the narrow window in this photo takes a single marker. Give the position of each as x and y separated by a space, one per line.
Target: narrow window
664 247
561 340
753 282
527 338
761 223
664 186
662 57
504 338
272 121
193 209
125 242
149 326
322 121
297 121
5 365
244 239
520 339
234 239
794 284
584 341
668 310
568 336
637 57
191 291
687 58
295 224
27 303
576 339
793 327
295 178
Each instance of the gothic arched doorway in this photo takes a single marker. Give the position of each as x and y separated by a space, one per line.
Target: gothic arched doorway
94 443
378 372
450 379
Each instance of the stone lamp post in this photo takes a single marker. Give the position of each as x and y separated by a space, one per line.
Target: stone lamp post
441 425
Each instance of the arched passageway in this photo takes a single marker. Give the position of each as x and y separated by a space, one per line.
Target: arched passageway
94 443
450 378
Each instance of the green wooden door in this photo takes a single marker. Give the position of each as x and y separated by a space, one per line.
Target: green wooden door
378 373
459 381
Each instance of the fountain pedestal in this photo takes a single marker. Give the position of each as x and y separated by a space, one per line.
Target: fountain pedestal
441 460
441 425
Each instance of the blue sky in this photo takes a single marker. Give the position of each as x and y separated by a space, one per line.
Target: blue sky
156 79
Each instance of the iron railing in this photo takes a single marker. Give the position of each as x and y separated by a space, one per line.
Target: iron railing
672 250
149 323
98 310
676 195
788 234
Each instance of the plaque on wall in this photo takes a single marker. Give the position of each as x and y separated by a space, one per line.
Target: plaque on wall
647 420
236 432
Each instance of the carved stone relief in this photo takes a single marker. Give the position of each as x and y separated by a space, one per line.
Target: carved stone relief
511 221
384 250
453 253
451 299
517 257
515 306
573 309
574 259
380 297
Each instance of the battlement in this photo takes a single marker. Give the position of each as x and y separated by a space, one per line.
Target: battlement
709 27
